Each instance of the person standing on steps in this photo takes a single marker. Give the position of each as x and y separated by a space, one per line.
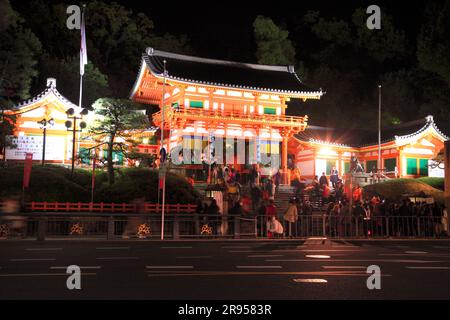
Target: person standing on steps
291 217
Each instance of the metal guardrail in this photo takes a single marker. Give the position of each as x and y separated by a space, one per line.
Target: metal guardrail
176 226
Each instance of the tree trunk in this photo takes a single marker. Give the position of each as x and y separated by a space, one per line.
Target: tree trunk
109 159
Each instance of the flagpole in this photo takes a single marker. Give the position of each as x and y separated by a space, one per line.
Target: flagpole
83 61
93 178
162 164
379 132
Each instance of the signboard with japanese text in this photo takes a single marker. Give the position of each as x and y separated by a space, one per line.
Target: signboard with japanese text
54 149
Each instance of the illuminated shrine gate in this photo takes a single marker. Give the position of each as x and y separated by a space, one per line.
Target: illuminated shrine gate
207 98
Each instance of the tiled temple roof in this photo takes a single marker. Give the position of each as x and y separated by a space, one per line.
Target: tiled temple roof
360 138
189 69
49 90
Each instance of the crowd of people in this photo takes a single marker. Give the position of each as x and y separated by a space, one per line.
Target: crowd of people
337 215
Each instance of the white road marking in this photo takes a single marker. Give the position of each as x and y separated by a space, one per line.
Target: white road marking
356 260
416 252
37 259
311 280
428 268
117 258
169 267
398 246
194 257
235 247
344 267
264 255
259 267
315 250
259 273
329 250
317 256
43 249
343 246
112 248
40 274
81 267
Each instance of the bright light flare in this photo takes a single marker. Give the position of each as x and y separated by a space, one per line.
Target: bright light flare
311 280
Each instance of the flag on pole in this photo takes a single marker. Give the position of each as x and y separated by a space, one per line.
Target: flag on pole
83 49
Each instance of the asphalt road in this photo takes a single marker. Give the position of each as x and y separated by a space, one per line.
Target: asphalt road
311 269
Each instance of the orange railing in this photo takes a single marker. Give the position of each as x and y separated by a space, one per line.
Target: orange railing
239 116
105 207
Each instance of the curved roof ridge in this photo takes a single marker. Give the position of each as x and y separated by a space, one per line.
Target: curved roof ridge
429 122
51 88
153 52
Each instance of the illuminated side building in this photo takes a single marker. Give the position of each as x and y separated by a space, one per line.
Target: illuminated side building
407 150
207 98
48 105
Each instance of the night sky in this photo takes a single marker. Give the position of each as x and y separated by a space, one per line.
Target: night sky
349 73
224 30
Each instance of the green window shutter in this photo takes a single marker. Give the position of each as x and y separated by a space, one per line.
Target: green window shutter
411 166
370 164
390 164
117 158
84 155
423 167
270 110
196 104
330 165
346 167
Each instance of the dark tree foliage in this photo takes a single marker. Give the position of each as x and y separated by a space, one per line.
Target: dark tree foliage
116 38
115 124
331 49
19 52
348 61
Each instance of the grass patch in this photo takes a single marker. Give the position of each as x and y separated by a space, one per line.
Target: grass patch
393 189
435 182
54 184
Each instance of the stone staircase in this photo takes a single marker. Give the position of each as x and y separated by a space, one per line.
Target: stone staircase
284 193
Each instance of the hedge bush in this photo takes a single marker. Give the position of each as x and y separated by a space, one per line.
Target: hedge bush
54 183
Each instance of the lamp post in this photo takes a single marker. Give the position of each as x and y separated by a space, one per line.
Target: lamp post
379 133
71 126
44 125
163 165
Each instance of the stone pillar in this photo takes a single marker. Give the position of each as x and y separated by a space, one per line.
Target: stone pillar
447 173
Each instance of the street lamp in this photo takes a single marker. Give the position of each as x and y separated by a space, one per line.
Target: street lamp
44 125
71 126
379 134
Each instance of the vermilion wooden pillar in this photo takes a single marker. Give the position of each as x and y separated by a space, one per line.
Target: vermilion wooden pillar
447 173
284 160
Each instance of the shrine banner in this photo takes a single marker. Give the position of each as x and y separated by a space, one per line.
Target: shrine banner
27 170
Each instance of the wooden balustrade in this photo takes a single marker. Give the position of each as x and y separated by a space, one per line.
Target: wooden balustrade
193 113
